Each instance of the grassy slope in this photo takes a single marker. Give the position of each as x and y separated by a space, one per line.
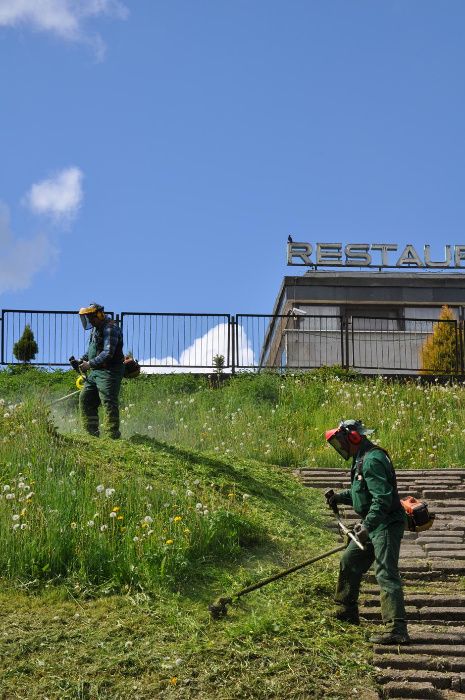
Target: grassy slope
68 638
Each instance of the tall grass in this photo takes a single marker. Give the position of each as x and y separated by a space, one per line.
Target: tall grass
62 515
193 481
282 419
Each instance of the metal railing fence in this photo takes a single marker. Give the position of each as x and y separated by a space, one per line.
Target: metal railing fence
299 341
58 335
177 340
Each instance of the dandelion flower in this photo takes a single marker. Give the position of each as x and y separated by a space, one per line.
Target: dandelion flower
103 528
177 519
90 523
148 519
189 494
73 526
100 488
120 517
245 496
113 514
169 541
135 539
7 487
10 496
173 680
109 492
198 506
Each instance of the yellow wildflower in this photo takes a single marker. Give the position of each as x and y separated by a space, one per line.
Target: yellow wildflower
23 512
115 509
120 517
177 519
231 495
186 531
169 541
173 680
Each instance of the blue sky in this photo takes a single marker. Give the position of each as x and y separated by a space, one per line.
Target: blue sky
156 154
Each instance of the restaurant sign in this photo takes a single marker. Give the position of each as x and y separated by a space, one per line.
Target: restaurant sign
373 255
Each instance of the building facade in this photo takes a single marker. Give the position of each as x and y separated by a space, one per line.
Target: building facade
376 322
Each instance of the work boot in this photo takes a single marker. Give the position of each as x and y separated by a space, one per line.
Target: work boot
394 638
350 616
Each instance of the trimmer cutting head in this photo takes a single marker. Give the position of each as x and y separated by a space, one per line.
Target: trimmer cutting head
218 609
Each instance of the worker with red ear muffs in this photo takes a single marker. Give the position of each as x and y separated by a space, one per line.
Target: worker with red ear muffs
374 497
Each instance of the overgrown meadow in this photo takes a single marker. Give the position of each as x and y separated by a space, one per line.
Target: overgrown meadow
122 545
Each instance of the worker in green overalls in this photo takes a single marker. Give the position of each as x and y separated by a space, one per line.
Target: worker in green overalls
374 496
104 364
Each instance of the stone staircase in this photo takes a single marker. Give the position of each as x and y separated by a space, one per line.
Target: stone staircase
432 565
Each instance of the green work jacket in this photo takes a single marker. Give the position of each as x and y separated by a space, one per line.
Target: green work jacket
373 492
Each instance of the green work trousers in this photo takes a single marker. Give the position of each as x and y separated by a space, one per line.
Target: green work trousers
102 386
383 550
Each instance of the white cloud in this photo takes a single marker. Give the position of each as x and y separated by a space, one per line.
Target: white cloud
59 196
20 259
64 18
201 352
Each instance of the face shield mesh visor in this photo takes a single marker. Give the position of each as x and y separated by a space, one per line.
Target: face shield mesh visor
340 443
85 320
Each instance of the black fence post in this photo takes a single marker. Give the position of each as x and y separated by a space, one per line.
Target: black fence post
461 331
232 335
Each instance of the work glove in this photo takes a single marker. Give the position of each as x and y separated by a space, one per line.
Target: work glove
331 499
361 533
84 366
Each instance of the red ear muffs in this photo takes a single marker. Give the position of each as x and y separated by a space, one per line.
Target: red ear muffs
354 437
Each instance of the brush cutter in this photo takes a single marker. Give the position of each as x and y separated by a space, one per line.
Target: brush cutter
219 607
80 381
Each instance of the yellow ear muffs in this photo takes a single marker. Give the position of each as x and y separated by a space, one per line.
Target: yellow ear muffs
80 381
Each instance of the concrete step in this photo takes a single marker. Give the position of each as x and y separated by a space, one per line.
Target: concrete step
420 600
420 662
414 691
427 649
438 679
438 614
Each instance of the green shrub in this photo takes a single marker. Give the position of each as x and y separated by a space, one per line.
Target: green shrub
26 348
439 353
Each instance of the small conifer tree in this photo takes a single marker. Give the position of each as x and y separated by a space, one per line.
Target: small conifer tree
439 353
218 364
26 348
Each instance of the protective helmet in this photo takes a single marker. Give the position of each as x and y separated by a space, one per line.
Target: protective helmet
348 434
92 311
